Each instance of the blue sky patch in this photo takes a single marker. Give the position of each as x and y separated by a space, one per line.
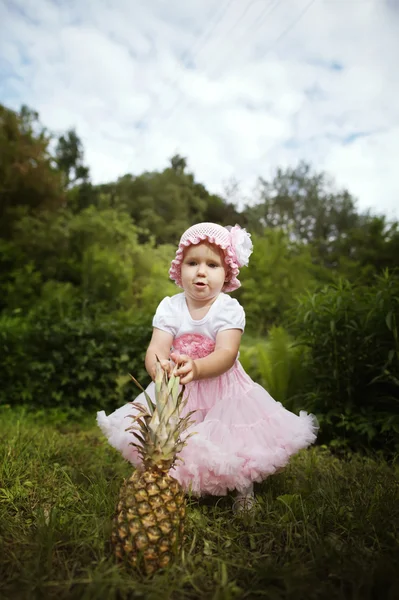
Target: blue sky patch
352 137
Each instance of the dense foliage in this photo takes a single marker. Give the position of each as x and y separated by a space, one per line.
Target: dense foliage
68 363
276 363
352 363
83 267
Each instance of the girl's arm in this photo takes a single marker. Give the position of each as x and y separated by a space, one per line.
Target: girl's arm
160 345
218 362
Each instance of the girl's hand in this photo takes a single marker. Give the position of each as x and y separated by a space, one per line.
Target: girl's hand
165 364
186 368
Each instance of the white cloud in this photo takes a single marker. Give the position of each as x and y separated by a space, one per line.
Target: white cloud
370 164
238 87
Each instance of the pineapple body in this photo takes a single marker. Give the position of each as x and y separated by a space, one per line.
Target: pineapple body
149 524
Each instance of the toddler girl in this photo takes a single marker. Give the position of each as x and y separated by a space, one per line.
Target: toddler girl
242 434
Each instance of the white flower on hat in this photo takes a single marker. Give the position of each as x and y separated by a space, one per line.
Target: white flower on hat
242 244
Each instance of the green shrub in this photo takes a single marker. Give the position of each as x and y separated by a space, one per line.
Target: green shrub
276 364
353 362
70 363
279 269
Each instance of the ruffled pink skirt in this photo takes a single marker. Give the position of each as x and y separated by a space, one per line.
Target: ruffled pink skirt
242 434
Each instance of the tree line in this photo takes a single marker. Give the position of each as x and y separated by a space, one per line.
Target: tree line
69 246
83 267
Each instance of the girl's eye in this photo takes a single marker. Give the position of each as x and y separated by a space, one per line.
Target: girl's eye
192 263
213 265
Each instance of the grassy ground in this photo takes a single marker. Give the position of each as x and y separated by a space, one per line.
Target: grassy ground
325 529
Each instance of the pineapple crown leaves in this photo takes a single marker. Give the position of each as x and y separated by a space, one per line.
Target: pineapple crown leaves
160 428
151 405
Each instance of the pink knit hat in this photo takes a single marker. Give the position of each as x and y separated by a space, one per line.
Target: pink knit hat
235 242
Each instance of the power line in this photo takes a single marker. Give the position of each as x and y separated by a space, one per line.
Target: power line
292 25
243 15
276 41
286 31
192 52
171 113
216 23
265 13
262 20
172 110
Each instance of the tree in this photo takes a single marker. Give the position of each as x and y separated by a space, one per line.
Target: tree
278 270
83 263
305 205
28 179
178 163
164 204
369 248
69 159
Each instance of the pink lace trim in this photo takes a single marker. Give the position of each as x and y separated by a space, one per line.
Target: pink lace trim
194 345
230 259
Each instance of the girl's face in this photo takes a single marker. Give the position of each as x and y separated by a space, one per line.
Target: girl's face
203 272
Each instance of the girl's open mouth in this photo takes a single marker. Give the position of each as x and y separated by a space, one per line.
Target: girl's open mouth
200 284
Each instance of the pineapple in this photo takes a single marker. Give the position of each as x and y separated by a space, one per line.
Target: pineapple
149 524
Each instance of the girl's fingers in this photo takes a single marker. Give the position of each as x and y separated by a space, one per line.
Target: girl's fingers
184 366
187 378
183 370
179 358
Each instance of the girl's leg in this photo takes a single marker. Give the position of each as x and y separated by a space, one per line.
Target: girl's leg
244 500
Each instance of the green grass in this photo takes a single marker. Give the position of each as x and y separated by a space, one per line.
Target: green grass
325 528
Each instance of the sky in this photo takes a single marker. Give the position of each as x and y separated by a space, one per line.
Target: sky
239 87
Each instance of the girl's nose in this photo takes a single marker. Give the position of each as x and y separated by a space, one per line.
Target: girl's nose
201 269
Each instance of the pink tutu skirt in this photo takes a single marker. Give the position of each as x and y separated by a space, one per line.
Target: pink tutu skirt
241 435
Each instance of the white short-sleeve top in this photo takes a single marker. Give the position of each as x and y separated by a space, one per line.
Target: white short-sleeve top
173 316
